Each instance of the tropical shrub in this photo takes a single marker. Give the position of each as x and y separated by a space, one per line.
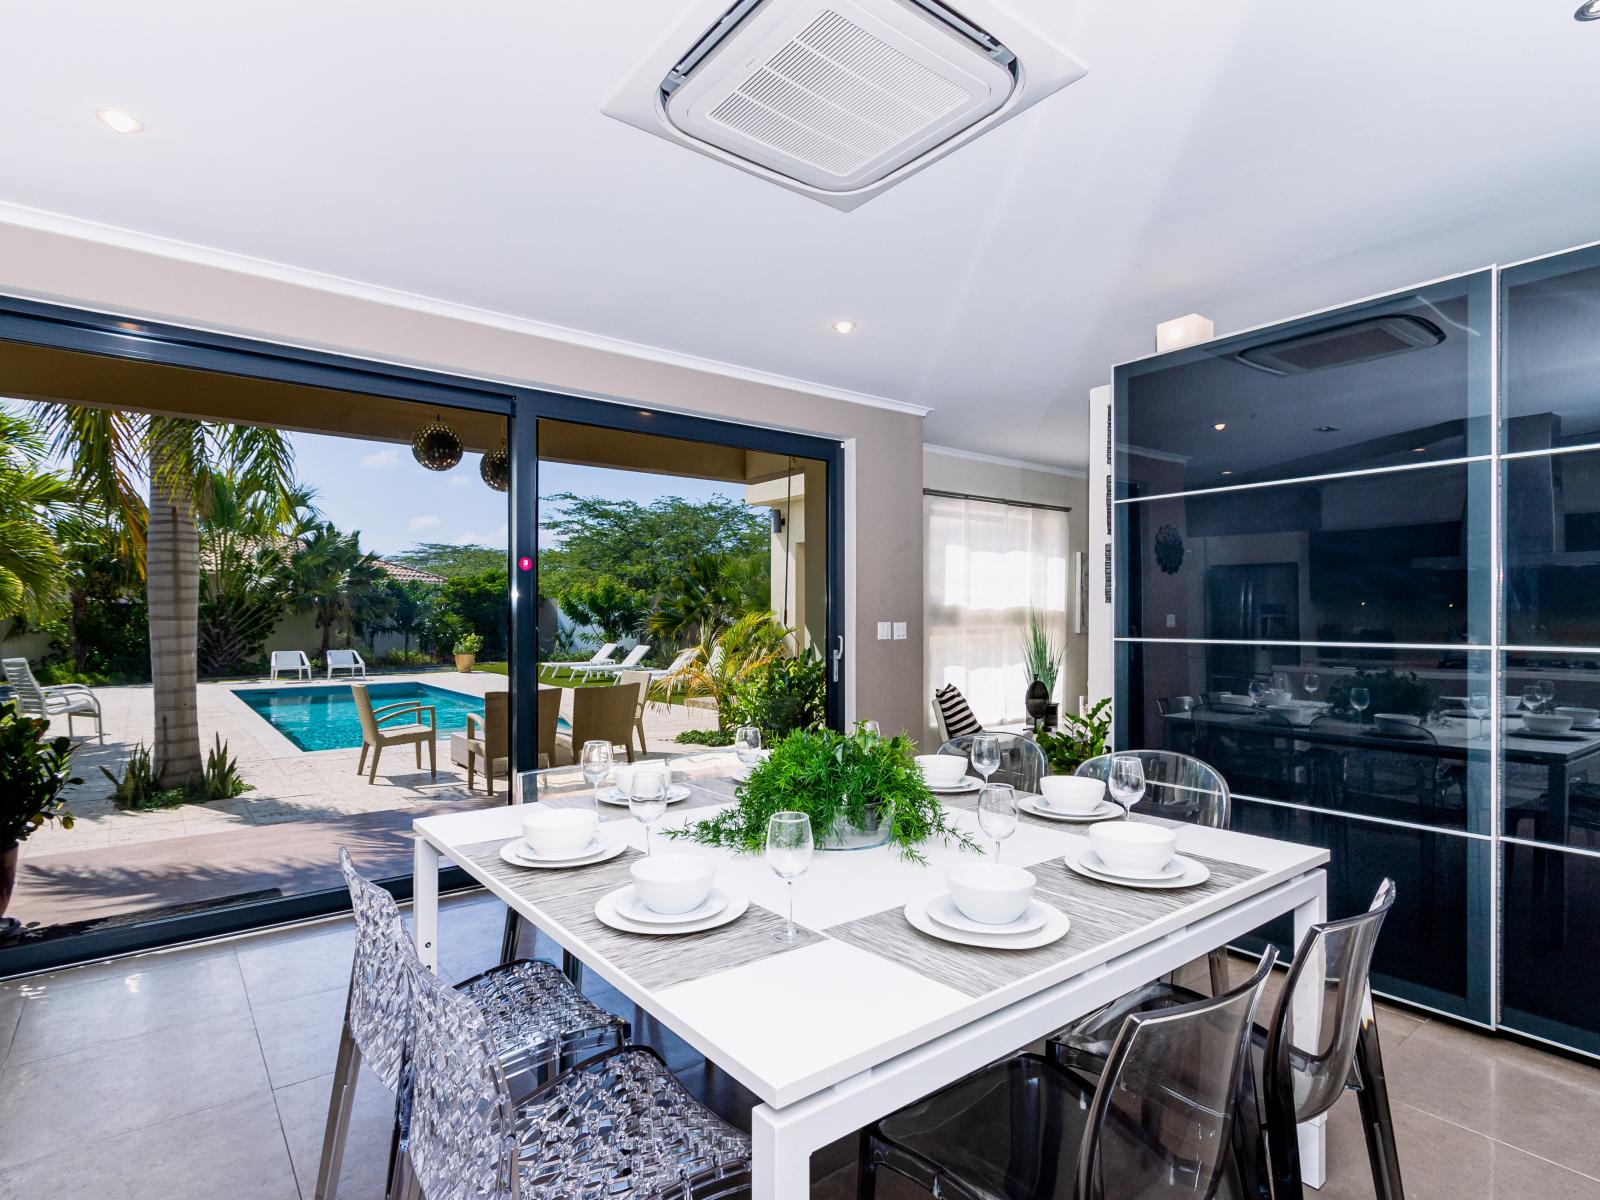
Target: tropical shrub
140 786
33 774
704 737
782 695
1084 737
404 658
719 669
479 603
610 606
221 779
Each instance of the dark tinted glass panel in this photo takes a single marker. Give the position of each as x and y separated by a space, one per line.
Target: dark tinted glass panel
1551 745
1552 555
1304 740
1551 945
1393 381
1434 949
1392 557
1551 352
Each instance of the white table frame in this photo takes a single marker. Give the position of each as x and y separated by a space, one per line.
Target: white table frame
786 1134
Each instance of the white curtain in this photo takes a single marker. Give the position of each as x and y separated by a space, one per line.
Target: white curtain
987 564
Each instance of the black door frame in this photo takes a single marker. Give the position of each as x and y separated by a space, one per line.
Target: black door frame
62 327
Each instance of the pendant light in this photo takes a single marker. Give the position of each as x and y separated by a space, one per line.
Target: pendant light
496 468
436 445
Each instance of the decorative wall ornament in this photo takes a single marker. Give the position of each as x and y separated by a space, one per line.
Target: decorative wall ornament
436 445
1169 549
496 468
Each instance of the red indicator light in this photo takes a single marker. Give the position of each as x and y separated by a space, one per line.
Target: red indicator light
525 563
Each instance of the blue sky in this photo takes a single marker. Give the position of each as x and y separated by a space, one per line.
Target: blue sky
378 488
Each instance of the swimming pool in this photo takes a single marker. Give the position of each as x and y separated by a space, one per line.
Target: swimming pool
324 718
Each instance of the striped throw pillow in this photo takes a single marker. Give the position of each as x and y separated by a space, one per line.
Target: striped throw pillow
954 710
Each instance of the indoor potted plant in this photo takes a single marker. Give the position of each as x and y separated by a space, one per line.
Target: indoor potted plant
1041 660
1081 738
858 789
466 651
33 773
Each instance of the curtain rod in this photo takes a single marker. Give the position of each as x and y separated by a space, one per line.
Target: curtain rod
996 500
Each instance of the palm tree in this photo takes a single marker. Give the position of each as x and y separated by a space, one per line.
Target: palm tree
718 668
698 602
111 452
32 499
339 583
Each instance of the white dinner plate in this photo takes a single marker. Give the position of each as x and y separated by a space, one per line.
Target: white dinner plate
943 909
969 783
615 795
1055 928
628 906
517 854
1105 810
1189 874
1567 735
605 911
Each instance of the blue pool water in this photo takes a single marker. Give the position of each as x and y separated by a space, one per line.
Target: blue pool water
324 718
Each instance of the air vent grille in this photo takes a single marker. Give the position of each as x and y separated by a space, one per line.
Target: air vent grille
837 97
1343 345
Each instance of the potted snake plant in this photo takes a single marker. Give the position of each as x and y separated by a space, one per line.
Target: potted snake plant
33 774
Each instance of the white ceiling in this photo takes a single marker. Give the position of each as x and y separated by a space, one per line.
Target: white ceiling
1247 159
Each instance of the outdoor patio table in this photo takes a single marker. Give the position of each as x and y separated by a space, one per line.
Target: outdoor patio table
867 1015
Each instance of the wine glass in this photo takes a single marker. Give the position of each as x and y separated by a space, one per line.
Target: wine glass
1359 699
1257 689
1478 708
1127 780
647 800
985 754
1530 697
1311 681
789 849
1547 694
747 745
997 812
869 729
1280 683
595 762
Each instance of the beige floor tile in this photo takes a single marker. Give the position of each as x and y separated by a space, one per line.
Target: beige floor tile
303 1109
300 1037
284 969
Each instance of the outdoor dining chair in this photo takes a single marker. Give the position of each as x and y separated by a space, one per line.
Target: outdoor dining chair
641 680
605 714
374 737
1159 1125
55 700
489 738
1304 1070
346 660
290 662
549 716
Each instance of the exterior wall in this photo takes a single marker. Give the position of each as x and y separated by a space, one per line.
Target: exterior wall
31 646
883 551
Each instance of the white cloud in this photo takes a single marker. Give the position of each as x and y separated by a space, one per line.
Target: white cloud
420 524
380 460
473 538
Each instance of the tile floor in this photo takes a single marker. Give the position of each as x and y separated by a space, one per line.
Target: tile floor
204 1072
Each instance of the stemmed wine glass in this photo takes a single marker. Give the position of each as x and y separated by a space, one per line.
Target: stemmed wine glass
1478 708
1359 699
747 745
595 762
1547 695
997 812
789 849
647 800
1311 681
1257 690
1530 697
1127 780
985 754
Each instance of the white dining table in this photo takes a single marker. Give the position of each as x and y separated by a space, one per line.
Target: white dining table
838 1032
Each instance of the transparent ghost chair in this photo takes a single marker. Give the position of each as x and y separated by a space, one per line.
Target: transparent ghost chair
617 1125
1156 1127
1022 763
1320 1040
540 1021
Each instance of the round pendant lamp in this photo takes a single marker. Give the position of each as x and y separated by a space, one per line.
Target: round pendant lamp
436 446
496 468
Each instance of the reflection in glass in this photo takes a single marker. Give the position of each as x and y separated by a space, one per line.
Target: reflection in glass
1550 353
1550 943
1552 549
1400 557
1551 746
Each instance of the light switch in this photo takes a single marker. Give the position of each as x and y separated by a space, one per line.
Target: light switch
899 631
884 631
1172 621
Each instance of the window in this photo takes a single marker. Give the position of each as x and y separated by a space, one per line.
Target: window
987 565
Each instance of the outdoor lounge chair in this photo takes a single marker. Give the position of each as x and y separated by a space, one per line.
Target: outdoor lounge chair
633 659
601 655
489 738
685 657
294 662
374 737
58 700
346 660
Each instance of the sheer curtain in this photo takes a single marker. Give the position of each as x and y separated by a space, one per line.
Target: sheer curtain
987 564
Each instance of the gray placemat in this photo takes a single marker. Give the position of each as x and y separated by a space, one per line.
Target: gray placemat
703 793
1098 912
539 885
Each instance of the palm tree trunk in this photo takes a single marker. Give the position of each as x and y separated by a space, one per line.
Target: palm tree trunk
172 580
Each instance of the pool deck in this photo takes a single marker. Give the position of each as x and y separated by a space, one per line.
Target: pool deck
282 835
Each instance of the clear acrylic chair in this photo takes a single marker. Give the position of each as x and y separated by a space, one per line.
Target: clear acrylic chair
617 1125
540 1021
1157 1126
1305 1070
1022 763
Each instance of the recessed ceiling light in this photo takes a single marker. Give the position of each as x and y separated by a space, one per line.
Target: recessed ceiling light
122 122
1227 472
1588 11
1220 426
843 326
1326 429
1419 449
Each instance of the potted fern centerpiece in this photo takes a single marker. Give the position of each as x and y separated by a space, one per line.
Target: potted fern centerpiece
33 774
859 790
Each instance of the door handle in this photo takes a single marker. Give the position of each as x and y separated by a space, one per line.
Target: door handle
838 653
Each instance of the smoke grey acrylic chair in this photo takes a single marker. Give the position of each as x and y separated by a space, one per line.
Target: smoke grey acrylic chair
1022 763
618 1125
1157 1126
539 1020
1304 1070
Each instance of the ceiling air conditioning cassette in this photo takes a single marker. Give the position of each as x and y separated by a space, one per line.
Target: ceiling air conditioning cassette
837 99
1342 345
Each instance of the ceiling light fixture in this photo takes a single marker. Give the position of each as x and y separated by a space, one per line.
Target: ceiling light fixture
1227 472
1220 426
1589 10
1419 449
1326 429
843 327
1189 330
436 446
122 122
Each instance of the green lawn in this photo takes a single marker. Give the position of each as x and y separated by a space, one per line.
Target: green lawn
560 677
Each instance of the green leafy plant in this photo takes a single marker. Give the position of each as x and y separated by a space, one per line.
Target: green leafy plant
404 658
221 779
1042 650
705 737
1391 693
782 695
720 668
140 786
829 776
468 643
33 774
609 605
1083 738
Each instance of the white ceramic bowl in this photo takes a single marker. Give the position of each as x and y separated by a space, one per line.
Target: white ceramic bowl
1133 848
1071 793
1581 717
943 770
673 883
1546 722
1512 704
1295 714
622 774
1234 698
990 893
1396 722
556 832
